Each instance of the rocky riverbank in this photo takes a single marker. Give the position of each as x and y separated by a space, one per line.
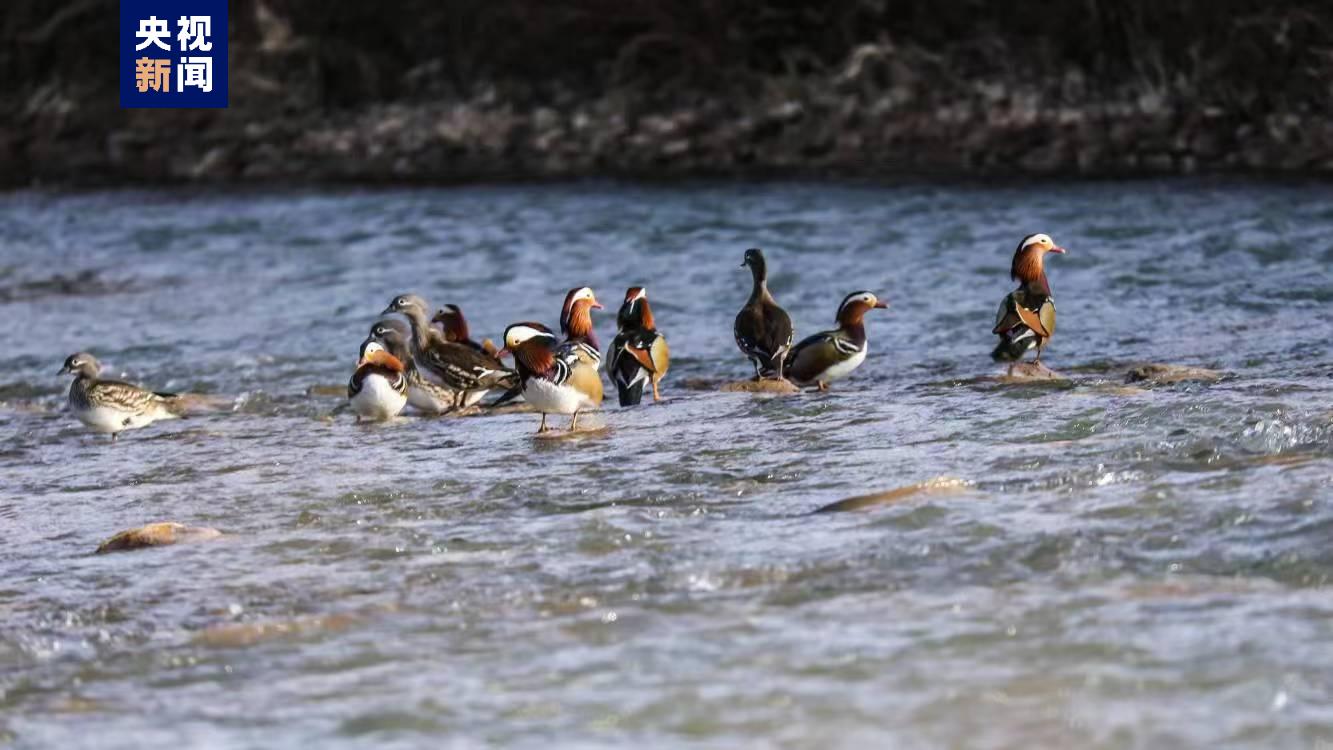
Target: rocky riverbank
883 111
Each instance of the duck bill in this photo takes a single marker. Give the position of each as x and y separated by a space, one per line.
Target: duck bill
64 371
880 305
597 305
1058 250
502 353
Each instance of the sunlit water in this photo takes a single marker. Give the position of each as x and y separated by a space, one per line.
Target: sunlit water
1140 567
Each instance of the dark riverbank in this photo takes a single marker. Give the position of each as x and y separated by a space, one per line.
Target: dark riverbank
949 91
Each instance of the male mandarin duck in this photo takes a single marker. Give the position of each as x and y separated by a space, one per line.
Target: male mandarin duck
455 328
553 381
110 406
378 388
763 329
1026 318
468 373
638 354
423 395
576 325
830 355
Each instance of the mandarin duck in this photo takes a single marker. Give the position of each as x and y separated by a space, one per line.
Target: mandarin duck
1026 318
576 325
468 373
110 406
378 388
553 381
638 355
829 355
455 328
763 329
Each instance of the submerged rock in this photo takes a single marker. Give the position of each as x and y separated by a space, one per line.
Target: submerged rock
237 635
936 486
559 433
157 535
1023 372
1164 374
761 386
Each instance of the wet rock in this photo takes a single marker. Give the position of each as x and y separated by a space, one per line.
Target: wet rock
1163 374
328 391
761 386
157 535
588 431
1023 372
936 486
238 635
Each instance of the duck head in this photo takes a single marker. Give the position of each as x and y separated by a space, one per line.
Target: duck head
635 312
374 353
407 304
391 334
1029 266
532 344
455 325
81 364
576 316
855 305
754 258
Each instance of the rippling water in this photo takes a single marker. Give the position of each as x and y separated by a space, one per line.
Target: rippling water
1125 566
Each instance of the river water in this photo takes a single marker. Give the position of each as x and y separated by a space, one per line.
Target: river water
1123 566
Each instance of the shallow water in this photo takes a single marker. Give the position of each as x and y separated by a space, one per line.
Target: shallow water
1126 567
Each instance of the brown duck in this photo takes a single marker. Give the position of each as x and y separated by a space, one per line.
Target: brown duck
1026 318
763 329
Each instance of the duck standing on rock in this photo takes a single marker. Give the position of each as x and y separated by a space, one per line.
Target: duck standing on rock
763 329
468 373
378 388
555 380
110 406
830 355
1026 318
638 354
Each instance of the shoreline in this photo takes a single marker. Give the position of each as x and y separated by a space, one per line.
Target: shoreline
817 134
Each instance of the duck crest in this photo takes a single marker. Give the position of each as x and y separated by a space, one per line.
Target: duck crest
635 313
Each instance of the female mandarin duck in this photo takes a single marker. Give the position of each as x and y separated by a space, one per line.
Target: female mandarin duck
555 380
466 372
639 354
763 329
1026 318
830 355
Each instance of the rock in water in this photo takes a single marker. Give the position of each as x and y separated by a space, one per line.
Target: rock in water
761 386
1023 372
157 535
938 485
1162 374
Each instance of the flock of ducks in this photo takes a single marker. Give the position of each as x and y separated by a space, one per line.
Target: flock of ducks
432 364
